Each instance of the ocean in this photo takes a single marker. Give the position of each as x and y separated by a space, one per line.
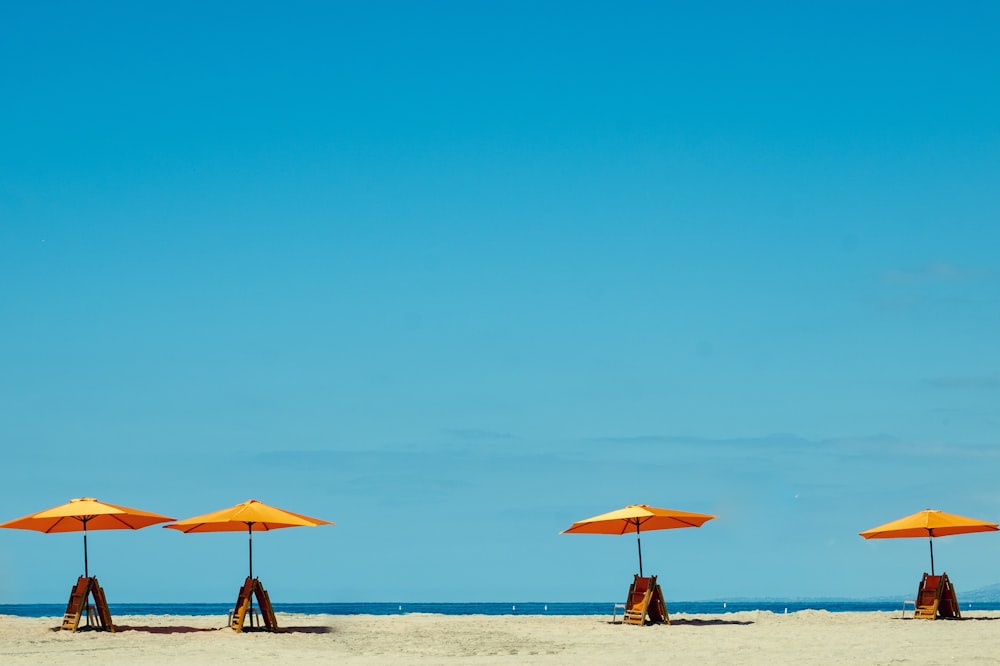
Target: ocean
488 608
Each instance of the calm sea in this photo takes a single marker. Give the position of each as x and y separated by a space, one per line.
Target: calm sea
492 608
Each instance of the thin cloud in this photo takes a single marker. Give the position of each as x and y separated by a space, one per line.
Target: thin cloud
938 271
474 434
774 441
937 285
971 382
641 439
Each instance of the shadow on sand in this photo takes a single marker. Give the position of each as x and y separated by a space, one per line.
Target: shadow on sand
694 622
951 619
247 630
306 630
165 630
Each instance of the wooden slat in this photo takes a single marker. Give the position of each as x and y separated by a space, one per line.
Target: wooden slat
242 604
949 601
74 607
266 610
657 608
103 612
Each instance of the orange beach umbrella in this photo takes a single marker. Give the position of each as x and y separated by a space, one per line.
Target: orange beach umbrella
83 514
929 523
635 517
250 516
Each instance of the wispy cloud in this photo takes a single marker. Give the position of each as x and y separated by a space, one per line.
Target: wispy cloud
937 271
936 285
641 439
972 382
475 434
768 442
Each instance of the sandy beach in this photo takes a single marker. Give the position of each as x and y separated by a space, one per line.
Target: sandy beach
755 637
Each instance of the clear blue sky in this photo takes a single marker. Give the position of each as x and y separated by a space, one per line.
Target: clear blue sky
454 275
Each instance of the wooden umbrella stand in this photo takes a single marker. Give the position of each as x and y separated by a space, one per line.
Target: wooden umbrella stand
253 588
98 616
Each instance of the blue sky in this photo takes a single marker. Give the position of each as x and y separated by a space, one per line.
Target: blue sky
454 275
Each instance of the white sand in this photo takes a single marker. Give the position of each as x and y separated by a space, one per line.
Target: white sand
806 637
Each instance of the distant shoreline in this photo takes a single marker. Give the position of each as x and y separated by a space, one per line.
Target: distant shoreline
493 608
738 638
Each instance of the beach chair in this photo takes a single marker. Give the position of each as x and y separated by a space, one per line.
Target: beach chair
101 605
645 604
243 600
948 608
928 597
77 601
614 612
266 609
936 598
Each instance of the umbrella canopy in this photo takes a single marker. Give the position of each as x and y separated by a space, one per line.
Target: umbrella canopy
929 523
637 517
83 514
253 515
250 516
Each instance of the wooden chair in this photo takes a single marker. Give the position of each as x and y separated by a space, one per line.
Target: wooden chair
928 597
948 608
77 602
645 604
266 610
936 598
243 600
101 603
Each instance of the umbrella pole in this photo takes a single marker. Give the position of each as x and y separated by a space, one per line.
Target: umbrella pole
931 542
250 535
86 568
638 542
